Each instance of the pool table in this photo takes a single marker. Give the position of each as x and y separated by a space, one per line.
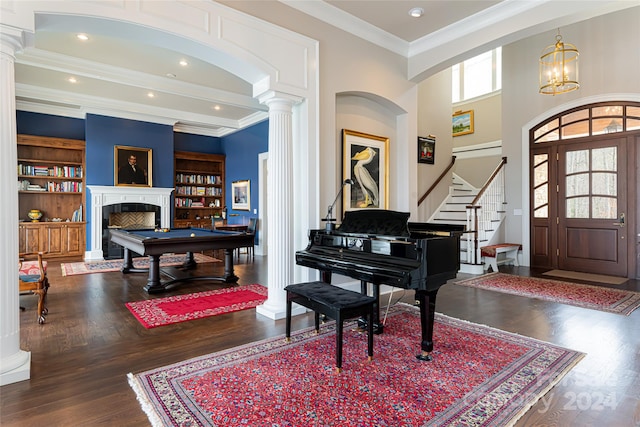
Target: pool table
155 243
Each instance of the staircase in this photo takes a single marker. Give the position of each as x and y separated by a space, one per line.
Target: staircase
464 206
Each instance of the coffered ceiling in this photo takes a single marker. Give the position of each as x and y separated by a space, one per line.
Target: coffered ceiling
117 72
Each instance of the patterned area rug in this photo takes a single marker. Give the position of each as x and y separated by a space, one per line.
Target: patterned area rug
587 296
181 308
75 268
479 376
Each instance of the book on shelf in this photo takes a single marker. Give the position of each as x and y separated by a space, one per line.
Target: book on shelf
182 178
64 187
56 171
35 187
77 215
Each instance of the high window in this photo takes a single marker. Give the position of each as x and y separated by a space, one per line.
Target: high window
477 76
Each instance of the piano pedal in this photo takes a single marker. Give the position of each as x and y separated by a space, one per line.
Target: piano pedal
378 328
360 330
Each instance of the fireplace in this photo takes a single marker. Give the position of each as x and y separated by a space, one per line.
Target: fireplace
129 216
124 207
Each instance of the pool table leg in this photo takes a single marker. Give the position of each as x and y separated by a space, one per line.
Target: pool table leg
153 283
189 263
127 264
229 277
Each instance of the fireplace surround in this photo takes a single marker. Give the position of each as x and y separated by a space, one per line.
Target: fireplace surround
102 196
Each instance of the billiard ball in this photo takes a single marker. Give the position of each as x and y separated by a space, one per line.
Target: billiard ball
193 234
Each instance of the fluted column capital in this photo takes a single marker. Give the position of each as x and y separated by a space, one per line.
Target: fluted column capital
279 100
11 40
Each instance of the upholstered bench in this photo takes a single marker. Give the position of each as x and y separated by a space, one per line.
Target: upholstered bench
490 254
336 303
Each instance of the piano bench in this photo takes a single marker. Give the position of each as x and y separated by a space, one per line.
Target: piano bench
336 303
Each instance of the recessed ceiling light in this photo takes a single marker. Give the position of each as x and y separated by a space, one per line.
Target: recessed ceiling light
183 62
151 95
216 107
416 12
72 80
82 37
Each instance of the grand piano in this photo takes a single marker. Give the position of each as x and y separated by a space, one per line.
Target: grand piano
382 247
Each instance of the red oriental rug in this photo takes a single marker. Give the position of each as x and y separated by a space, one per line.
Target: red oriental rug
479 376
587 296
109 265
181 308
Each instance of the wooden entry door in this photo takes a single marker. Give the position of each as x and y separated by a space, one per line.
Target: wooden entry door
592 207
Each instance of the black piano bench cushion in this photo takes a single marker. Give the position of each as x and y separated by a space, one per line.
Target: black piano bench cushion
336 303
330 296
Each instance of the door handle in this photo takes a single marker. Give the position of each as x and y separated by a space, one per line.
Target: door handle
621 223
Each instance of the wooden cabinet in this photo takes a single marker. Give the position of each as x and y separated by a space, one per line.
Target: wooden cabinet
51 179
55 239
199 188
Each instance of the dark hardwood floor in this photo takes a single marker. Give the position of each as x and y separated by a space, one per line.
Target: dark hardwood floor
81 356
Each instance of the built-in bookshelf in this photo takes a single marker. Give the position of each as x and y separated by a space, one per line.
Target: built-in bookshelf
199 188
51 179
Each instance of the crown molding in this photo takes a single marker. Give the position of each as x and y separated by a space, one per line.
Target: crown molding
351 24
104 72
48 101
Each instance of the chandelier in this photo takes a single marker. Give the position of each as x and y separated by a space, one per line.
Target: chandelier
559 68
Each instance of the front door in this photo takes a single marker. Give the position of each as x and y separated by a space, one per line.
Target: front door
592 207
585 198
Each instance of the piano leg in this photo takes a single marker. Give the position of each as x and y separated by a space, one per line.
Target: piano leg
427 300
378 328
325 276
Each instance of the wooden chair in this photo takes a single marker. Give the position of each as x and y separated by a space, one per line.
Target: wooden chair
251 229
32 279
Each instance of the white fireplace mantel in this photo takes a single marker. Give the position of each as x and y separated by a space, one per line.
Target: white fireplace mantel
106 195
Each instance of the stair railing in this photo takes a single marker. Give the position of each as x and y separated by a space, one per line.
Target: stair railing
486 208
437 181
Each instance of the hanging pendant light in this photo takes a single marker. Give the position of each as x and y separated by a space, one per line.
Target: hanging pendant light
559 68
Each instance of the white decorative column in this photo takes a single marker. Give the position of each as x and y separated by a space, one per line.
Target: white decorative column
281 259
15 364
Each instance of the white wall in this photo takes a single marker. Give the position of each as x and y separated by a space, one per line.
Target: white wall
609 65
353 68
434 118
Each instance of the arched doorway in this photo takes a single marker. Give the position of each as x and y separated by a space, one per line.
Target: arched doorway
583 191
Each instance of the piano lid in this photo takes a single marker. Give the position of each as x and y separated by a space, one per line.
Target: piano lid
375 221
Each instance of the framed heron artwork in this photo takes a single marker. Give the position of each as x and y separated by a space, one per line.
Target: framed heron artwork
366 163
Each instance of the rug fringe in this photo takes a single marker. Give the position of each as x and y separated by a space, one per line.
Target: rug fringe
146 405
546 390
560 375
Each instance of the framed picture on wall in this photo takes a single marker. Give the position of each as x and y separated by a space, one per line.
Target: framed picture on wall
462 123
426 149
366 162
241 195
132 166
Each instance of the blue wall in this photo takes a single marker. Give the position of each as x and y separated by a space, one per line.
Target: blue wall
46 125
197 143
102 133
242 149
